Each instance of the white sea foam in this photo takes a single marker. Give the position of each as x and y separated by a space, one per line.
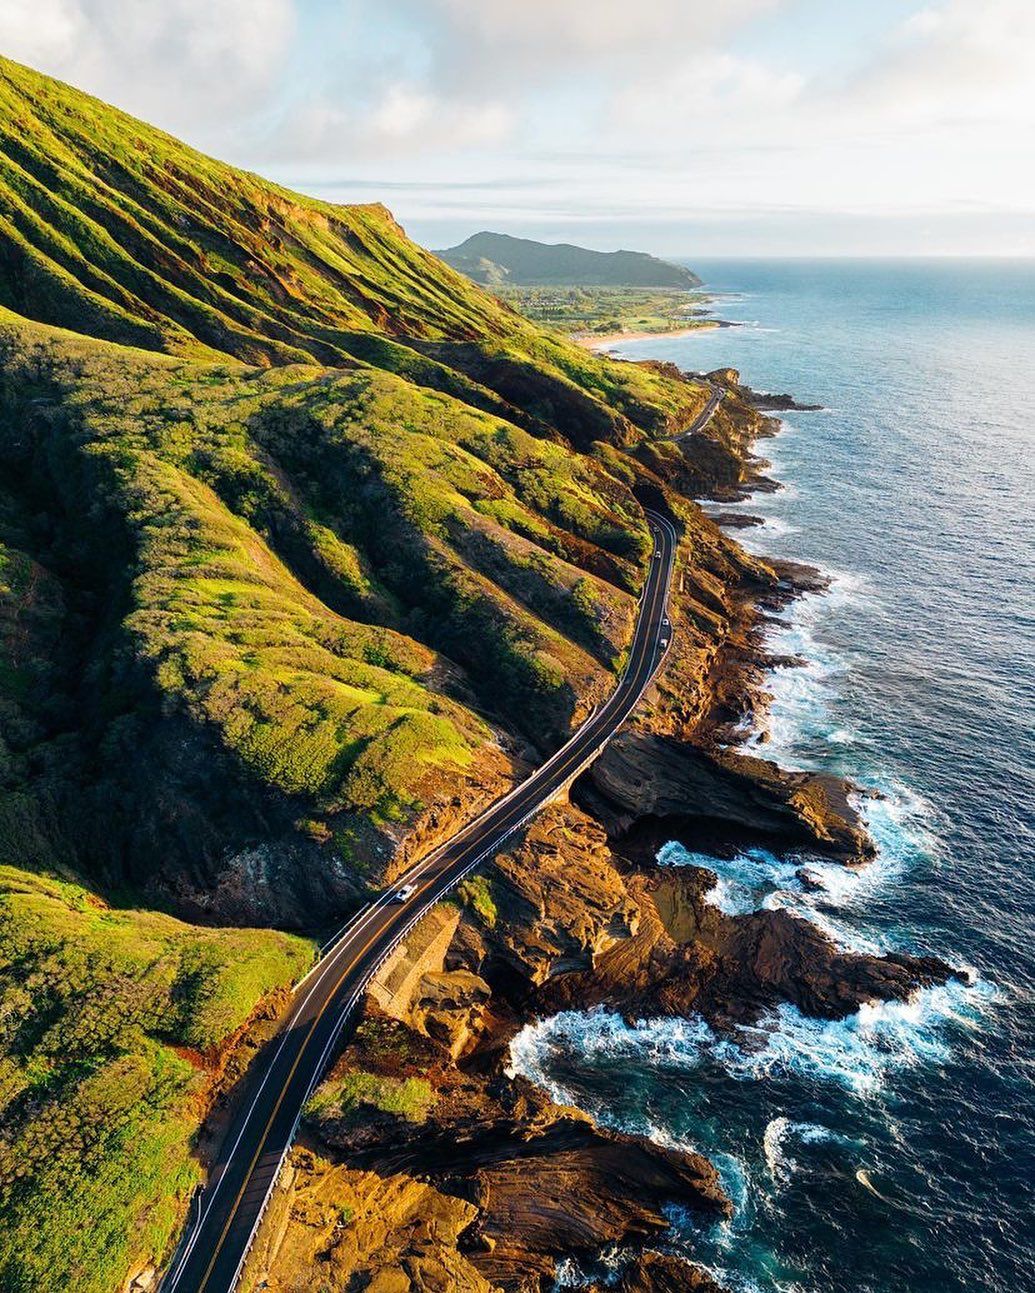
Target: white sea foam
858 1052
841 736
861 1051
738 1282
774 527
825 893
743 881
607 1271
772 1144
832 896
758 538
780 1132
799 721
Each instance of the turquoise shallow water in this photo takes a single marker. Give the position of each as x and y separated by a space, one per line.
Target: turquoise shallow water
916 490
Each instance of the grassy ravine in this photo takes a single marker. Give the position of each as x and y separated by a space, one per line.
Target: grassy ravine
243 493
296 525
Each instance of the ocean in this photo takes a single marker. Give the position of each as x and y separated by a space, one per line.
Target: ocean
894 1150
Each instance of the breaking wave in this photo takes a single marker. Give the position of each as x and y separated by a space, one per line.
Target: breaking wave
801 722
858 1052
827 893
782 1132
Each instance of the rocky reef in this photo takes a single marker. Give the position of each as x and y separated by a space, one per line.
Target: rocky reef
515 1183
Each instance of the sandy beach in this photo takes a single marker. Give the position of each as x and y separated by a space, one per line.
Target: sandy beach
615 338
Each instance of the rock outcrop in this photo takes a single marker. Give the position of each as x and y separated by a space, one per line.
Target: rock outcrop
664 1273
644 775
689 957
560 922
544 1180
558 899
332 1227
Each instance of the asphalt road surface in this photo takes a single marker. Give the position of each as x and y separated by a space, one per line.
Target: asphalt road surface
227 1213
705 415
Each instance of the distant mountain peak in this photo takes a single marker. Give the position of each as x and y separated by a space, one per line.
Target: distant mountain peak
497 259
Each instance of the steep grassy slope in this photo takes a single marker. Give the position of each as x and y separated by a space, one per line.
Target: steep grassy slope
116 228
113 228
330 576
336 578
105 1013
98 1097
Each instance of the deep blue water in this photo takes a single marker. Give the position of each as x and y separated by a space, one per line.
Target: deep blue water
916 489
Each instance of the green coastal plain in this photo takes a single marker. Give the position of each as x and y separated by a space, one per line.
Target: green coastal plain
584 312
304 539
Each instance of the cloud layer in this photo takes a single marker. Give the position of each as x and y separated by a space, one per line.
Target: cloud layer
561 111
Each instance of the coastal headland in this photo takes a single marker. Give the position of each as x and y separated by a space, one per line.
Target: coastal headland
310 550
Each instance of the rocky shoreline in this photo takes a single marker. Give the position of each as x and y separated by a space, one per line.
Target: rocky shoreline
425 1163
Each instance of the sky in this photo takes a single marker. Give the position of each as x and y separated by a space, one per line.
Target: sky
682 127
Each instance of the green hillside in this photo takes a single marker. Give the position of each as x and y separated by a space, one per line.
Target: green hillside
342 580
307 547
98 1090
330 574
113 228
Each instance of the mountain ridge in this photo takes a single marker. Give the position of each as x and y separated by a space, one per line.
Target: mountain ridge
497 260
117 230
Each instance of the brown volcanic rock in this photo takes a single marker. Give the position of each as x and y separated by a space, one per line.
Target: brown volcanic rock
545 1180
559 900
576 1201
642 774
772 956
649 943
770 401
689 956
663 1273
542 1181
331 1227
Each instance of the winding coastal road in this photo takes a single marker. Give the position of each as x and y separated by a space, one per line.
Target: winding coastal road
718 394
227 1213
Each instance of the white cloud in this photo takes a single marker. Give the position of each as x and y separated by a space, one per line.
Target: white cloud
673 109
401 120
180 62
481 72
554 29
41 32
405 113
521 47
955 62
709 98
